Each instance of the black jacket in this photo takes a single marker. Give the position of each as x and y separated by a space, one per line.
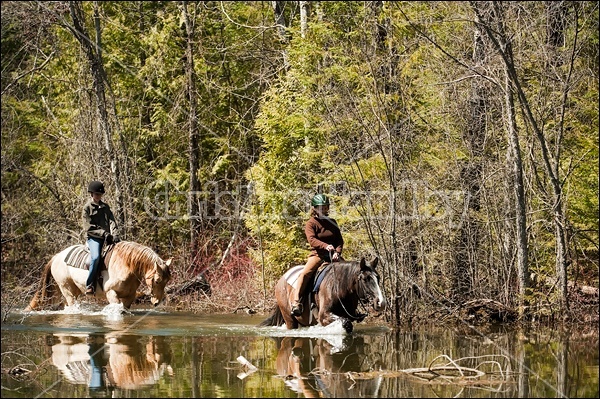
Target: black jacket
98 220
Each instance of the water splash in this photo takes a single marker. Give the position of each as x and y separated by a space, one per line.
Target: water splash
334 333
114 311
317 331
78 308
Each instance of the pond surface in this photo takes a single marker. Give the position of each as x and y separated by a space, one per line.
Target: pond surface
102 352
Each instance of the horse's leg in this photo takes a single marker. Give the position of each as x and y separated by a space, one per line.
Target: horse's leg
64 280
326 318
282 297
120 291
112 297
68 289
128 300
290 321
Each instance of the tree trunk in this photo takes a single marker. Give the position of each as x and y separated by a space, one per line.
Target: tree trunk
493 24
560 223
194 139
280 19
303 18
93 53
520 203
467 246
556 24
281 27
555 14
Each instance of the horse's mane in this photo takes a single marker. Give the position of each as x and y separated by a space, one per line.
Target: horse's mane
342 275
138 257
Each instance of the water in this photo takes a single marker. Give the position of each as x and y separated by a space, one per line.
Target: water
88 351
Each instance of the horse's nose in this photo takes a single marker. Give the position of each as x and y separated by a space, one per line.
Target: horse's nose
380 305
156 301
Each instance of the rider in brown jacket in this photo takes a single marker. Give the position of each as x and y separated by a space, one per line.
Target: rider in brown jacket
326 243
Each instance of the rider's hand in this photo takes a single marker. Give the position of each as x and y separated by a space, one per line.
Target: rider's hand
335 256
330 247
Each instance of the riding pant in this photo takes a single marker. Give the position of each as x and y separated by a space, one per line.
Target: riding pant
95 246
311 267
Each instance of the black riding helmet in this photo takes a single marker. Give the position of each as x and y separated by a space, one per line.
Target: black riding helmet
96 187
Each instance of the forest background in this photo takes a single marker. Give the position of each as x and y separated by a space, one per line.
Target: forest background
458 142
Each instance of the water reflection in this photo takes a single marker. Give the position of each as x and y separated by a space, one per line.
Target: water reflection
159 354
104 362
317 368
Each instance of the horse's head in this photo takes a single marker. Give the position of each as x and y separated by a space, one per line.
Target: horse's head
368 282
158 280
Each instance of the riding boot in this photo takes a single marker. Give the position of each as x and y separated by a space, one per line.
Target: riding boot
90 288
304 278
297 304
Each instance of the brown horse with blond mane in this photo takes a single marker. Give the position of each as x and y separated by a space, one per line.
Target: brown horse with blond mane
127 264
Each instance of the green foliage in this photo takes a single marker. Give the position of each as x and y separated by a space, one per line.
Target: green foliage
374 104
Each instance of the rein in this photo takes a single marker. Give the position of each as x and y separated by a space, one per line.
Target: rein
361 317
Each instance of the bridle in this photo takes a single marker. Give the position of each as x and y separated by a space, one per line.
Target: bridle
362 299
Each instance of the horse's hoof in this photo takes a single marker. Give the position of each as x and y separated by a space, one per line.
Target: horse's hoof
297 352
297 310
347 324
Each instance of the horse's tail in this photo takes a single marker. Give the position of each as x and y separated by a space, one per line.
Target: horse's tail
48 289
275 319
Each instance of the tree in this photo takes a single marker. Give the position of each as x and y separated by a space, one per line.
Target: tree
194 139
551 160
493 24
93 52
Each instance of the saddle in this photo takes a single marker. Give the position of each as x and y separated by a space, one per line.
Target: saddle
321 273
291 276
79 257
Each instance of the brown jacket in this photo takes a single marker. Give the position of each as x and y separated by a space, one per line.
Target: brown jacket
321 232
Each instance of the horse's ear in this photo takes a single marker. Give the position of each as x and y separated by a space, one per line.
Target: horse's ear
168 262
363 263
374 262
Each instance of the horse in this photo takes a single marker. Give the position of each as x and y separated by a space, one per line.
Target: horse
127 265
315 368
113 360
340 290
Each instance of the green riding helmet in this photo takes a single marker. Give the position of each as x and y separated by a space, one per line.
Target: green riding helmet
319 199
